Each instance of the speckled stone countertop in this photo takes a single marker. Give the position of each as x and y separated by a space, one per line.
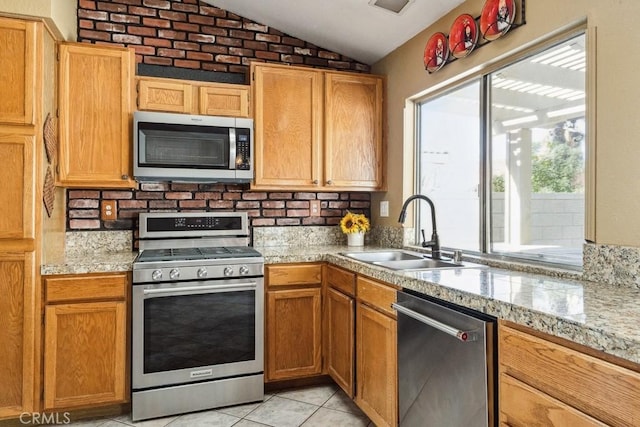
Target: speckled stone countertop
598 315
89 262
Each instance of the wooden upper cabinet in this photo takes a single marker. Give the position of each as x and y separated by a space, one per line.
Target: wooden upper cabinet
95 98
173 96
224 100
317 130
17 211
17 71
353 131
192 97
288 127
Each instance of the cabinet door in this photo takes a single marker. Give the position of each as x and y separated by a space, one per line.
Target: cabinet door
17 197
17 376
84 354
569 375
95 87
224 100
293 334
353 131
522 405
165 95
376 366
340 325
17 71
288 127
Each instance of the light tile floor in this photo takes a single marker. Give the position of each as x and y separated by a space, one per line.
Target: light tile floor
316 406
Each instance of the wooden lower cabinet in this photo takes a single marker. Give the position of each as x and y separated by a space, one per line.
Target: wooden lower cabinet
376 352
547 381
376 365
16 334
340 334
293 321
85 340
525 406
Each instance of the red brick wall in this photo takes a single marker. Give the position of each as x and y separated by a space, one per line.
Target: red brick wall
195 35
264 208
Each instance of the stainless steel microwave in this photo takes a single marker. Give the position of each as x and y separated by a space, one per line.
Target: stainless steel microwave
190 148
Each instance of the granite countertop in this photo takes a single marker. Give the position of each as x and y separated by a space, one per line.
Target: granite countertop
89 262
601 316
598 315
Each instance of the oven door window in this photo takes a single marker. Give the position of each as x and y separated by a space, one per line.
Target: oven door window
179 146
189 331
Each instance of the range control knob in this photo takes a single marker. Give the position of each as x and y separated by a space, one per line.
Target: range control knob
244 270
228 271
156 275
174 273
201 273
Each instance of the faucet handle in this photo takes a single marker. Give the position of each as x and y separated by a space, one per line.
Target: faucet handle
424 237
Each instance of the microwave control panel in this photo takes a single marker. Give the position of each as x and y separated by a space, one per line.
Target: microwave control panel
243 149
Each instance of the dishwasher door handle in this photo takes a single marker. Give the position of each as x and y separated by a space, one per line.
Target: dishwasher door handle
464 336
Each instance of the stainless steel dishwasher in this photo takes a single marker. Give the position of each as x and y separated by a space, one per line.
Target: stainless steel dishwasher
446 364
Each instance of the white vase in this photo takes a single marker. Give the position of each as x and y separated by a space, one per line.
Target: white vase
355 239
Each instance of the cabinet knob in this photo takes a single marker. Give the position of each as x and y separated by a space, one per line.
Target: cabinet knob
125 177
315 182
330 182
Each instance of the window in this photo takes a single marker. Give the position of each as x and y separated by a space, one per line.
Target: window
503 159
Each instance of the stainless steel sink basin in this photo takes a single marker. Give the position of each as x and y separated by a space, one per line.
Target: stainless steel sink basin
399 259
418 264
383 256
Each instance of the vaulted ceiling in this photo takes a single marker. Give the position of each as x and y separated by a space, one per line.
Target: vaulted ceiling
354 28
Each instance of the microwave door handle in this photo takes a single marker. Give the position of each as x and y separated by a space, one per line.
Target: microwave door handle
232 148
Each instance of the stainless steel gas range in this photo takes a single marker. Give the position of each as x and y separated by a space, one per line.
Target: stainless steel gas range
197 314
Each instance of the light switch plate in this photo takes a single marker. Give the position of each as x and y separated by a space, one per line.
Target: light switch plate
314 207
384 208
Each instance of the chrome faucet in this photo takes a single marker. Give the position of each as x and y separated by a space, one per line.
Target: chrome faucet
434 243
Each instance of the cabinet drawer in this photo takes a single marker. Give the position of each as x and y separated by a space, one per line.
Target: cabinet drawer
522 405
574 378
294 274
90 287
342 280
377 294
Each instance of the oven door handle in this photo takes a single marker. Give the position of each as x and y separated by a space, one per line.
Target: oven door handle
221 288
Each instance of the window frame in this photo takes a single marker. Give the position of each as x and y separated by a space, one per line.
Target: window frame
484 183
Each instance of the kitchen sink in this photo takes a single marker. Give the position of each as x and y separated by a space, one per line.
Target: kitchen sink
406 260
418 264
384 256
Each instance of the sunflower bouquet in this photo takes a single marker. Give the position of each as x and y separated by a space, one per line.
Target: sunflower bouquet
354 223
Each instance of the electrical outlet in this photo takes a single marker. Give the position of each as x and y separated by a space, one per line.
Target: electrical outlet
314 207
384 208
108 210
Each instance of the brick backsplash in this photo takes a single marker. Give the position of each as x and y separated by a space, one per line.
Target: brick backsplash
281 208
195 35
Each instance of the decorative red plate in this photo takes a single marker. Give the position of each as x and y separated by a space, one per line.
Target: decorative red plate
436 52
463 36
497 17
